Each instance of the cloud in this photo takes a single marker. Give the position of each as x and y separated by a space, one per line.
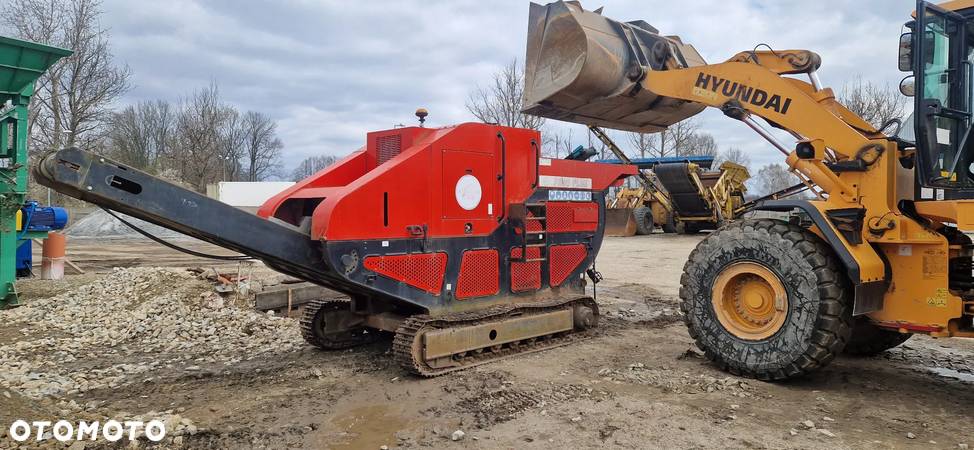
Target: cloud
331 71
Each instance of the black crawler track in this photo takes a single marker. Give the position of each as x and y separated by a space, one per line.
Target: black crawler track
316 311
408 352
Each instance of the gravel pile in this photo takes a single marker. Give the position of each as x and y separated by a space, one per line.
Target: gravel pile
100 224
129 324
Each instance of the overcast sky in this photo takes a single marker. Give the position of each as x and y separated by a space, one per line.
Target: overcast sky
330 71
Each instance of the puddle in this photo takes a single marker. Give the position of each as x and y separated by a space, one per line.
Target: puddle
368 427
951 373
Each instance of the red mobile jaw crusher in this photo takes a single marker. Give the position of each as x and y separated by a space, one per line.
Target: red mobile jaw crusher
462 240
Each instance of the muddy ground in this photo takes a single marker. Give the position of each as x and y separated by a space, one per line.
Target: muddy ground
638 383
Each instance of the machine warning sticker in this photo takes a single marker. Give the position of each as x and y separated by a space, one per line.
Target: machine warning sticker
939 300
569 196
565 182
943 136
934 264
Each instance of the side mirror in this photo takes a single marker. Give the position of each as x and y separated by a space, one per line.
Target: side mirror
906 52
908 86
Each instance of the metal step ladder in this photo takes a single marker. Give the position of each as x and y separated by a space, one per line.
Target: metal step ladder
537 213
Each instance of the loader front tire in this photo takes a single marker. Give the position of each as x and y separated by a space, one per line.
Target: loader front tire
766 299
644 220
869 340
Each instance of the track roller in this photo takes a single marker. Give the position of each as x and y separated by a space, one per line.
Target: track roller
431 346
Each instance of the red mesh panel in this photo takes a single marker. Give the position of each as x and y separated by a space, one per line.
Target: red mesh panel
533 226
387 147
572 216
479 274
563 260
525 276
423 270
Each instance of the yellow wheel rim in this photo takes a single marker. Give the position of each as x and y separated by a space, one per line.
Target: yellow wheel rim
750 301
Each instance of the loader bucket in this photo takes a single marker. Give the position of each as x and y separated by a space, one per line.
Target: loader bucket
584 68
620 222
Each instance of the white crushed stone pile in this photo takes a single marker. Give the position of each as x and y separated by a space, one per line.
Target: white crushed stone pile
128 324
100 224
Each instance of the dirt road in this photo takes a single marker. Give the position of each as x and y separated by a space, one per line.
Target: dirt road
638 384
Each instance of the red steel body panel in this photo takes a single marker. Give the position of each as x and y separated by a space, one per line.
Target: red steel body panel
380 193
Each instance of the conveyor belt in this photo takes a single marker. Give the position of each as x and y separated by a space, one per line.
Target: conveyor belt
687 199
98 180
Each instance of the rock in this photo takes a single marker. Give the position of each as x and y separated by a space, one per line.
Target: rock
826 432
383 447
828 419
808 424
911 436
576 419
793 432
128 315
963 446
177 441
735 407
731 417
457 435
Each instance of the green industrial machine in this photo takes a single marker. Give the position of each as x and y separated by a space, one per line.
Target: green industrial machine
21 63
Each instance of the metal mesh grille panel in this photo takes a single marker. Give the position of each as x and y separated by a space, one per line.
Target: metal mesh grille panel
563 260
479 274
568 217
423 271
533 226
525 276
388 147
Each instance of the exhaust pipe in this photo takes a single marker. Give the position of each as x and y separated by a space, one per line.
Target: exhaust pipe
584 68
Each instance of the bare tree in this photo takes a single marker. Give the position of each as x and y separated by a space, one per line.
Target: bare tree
196 153
734 155
71 100
680 139
699 144
311 166
502 101
876 104
559 144
233 149
262 147
140 133
642 143
773 178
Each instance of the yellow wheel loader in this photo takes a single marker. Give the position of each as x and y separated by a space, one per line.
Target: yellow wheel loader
878 254
683 198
